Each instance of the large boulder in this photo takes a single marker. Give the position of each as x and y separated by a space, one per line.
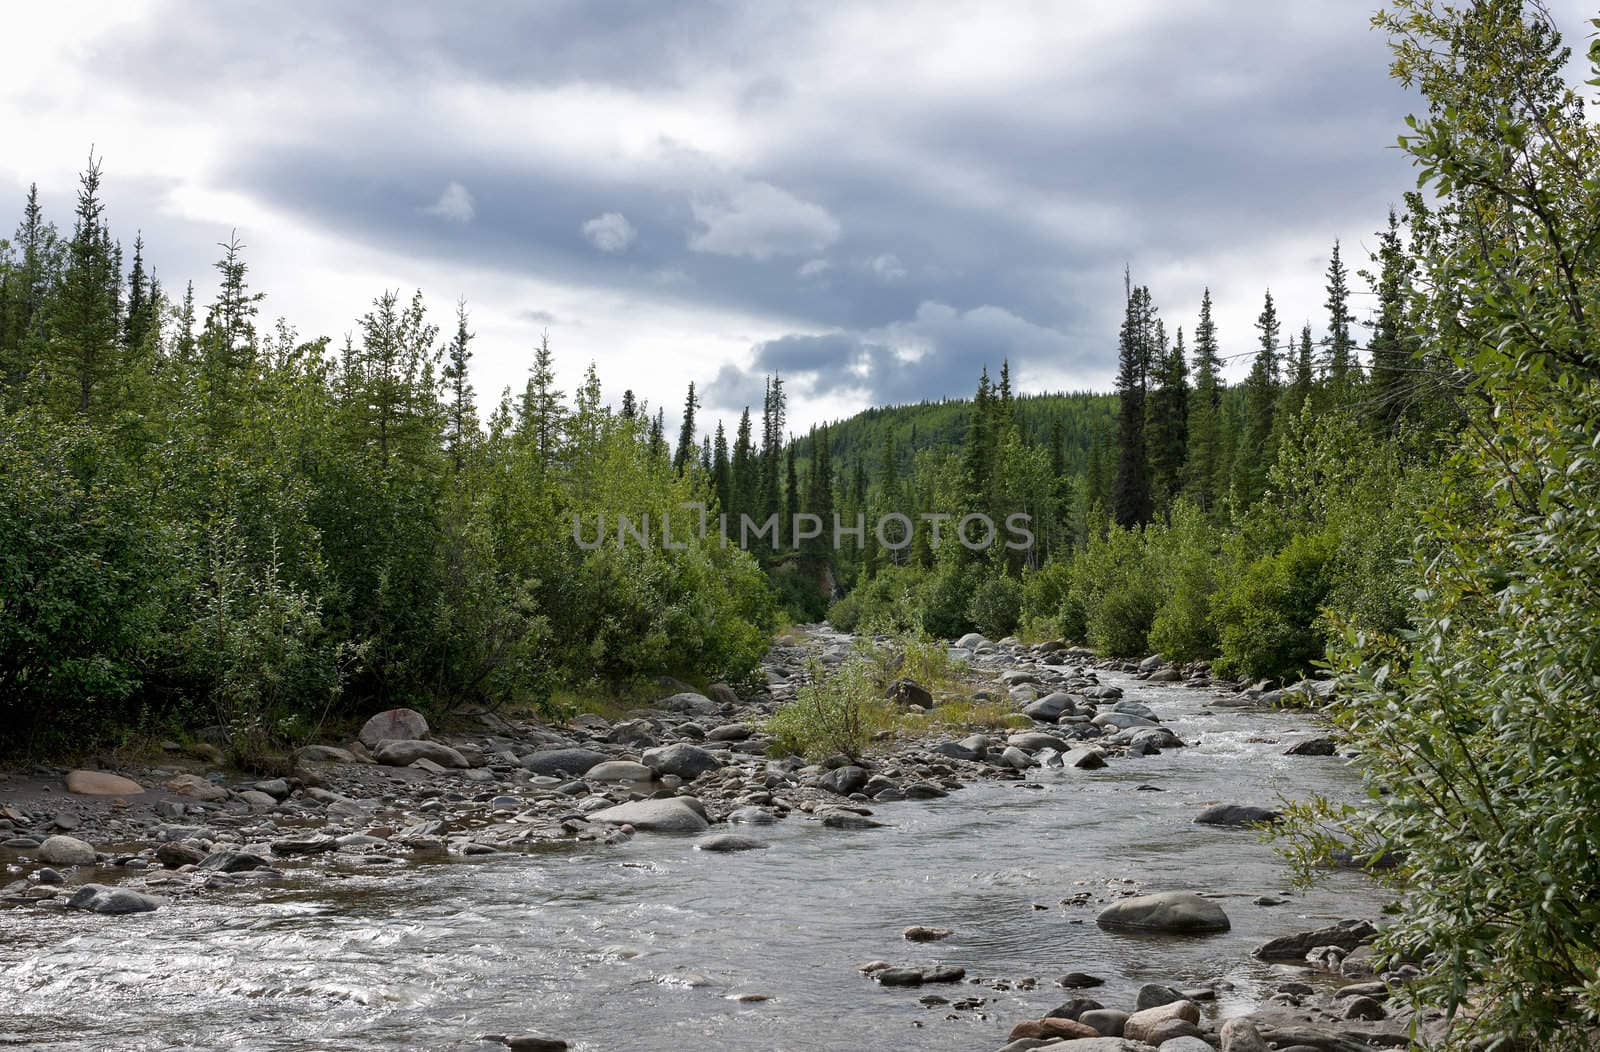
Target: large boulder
971 641
672 815
101 783
682 759
1311 747
1175 912
100 898
553 762
1085 758
973 747
1241 1035
404 753
1236 815
725 842
324 754
393 725
690 702
66 851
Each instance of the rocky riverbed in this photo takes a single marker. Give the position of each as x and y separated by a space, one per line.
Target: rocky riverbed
369 828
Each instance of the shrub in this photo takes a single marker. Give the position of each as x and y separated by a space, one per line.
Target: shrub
1268 617
1184 561
943 599
1044 595
996 607
845 614
830 715
1118 598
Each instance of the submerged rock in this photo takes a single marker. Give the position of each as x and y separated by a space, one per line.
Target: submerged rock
672 815
1236 815
723 842
99 898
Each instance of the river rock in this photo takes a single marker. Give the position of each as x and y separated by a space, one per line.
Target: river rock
724 842
176 853
1122 720
682 759
99 898
1084 758
844 780
1074 1008
1347 935
226 861
1236 815
308 844
848 820
101 783
405 752
1150 738
1187 1043
1034 741
619 771
909 693
197 787
1052 1029
1016 758
1141 1026
923 933
1177 912
552 762
1241 1035
277 788
752 816
66 851
1079 981
729 732
1311 747
324 754
971 641
534 1043
1107 1021
972 748
393 725
671 815
1154 995
690 702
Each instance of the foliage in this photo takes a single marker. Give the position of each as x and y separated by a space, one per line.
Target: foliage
830 714
996 607
1266 616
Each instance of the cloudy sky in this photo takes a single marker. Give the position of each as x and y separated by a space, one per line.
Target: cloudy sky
875 199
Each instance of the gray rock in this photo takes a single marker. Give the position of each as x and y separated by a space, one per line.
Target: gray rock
309 844
552 762
848 820
233 861
1109 1021
393 725
690 702
66 851
1236 815
1311 747
1241 1035
1034 741
844 780
405 752
971 641
99 898
176 853
1176 912
1073 1008
729 732
752 816
619 771
1186 1043
1084 758
276 788
1154 995
1346 935
1015 757
722 842
1079 981
1122 720
324 754
534 1043
682 759
909 693
671 815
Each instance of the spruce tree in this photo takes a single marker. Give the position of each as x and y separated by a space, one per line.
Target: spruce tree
1390 354
1131 497
1254 452
84 321
461 413
1168 425
1340 344
688 445
1205 464
721 470
745 481
540 412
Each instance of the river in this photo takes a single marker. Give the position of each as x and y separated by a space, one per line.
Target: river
645 946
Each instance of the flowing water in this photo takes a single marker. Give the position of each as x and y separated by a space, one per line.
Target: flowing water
644 946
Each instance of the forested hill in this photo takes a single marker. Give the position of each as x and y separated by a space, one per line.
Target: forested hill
1072 422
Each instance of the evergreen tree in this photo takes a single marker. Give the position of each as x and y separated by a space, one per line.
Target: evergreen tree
1168 424
745 483
1390 350
461 413
540 412
390 390
23 330
185 345
791 492
1131 496
1304 370
630 405
773 412
1205 454
1254 452
84 322
721 470
143 303
1340 344
687 443
658 436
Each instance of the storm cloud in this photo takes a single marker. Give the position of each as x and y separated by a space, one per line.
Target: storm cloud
875 200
